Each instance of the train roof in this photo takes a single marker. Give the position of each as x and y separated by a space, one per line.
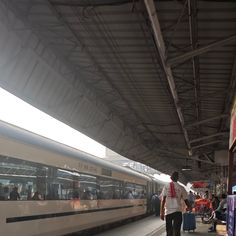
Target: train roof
28 137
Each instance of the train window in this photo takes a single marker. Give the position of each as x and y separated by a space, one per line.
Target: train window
129 191
110 188
20 179
88 186
140 191
25 180
62 184
134 191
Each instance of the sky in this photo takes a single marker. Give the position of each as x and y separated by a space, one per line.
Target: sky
17 112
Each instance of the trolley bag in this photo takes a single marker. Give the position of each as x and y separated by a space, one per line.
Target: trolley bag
189 221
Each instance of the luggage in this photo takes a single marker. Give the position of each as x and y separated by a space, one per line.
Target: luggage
189 222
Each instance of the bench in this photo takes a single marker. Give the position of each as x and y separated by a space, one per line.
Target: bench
221 229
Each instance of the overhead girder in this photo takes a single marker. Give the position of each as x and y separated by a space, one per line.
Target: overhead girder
196 52
207 144
208 157
231 93
231 88
192 15
222 116
109 119
195 63
59 73
208 137
99 68
152 13
214 94
93 128
175 26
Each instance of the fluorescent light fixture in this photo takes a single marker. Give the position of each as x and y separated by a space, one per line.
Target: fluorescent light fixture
186 168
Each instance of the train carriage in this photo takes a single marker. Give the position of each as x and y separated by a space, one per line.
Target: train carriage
75 190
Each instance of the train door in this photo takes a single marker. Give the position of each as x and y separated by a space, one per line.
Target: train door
149 196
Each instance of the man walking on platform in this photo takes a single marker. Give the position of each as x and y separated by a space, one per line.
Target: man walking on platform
172 194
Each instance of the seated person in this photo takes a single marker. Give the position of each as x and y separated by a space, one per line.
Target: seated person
220 213
215 202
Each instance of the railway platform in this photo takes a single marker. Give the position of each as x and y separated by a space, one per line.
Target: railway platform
202 230
154 226
148 226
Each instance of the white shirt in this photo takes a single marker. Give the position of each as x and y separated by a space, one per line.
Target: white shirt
174 204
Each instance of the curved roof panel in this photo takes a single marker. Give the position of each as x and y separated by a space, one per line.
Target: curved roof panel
151 80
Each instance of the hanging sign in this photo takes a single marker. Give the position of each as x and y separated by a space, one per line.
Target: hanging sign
232 138
200 184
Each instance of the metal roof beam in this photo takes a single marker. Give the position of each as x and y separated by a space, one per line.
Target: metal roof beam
89 3
207 144
207 120
231 93
152 13
186 56
208 158
195 158
231 89
209 136
174 155
192 16
98 66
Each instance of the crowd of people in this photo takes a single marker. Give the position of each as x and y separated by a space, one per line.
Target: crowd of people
13 193
212 206
171 206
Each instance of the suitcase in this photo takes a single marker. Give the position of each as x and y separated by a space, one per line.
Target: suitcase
189 222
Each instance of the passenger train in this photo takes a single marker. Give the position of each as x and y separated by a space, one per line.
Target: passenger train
48 188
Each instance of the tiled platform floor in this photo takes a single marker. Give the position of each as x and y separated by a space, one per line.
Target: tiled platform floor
154 226
148 226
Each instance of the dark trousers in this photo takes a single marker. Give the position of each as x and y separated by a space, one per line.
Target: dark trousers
157 210
173 224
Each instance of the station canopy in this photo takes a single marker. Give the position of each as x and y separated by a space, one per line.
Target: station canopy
151 80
